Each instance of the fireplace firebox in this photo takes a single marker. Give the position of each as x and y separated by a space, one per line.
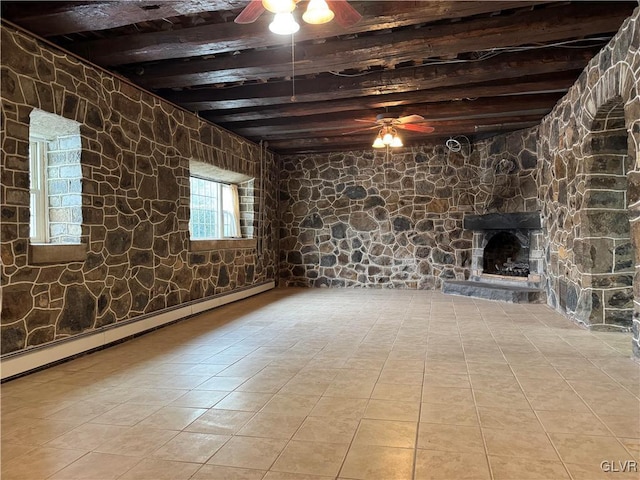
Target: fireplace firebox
506 254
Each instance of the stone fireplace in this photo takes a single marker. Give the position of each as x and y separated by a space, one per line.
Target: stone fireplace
506 260
507 247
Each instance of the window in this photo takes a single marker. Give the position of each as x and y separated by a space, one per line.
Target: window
221 203
55 178
215 209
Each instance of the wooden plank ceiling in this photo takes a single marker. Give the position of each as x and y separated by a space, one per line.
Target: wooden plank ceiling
468 67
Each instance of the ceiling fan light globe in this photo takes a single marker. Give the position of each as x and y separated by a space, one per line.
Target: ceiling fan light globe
318 12
284 24
387 138
396 142
279 6
378 143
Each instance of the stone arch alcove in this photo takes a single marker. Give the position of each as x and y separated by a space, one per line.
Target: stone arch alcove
609 259
589 243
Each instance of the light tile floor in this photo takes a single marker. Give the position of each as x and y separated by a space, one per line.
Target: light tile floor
336 384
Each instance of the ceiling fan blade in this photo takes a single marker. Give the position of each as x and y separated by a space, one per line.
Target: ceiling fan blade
414 127
409 119
251 12
363 120
361 130
345 14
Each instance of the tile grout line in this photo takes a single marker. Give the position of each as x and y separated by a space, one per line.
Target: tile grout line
473 393
422 385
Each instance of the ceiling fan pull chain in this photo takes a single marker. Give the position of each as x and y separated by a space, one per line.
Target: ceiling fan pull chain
293 68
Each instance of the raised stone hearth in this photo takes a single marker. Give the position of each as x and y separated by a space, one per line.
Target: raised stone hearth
494 291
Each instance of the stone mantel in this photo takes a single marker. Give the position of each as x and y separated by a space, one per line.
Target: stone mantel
503 221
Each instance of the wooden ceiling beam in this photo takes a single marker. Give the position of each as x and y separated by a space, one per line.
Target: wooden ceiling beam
229 37
62 18
461 109
543 25
554 83
325 143
298 128
496 69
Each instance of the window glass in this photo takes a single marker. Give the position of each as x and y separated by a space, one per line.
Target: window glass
214 209
55 177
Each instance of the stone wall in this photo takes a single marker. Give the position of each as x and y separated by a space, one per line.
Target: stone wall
397 222
135 202
360 219
589 187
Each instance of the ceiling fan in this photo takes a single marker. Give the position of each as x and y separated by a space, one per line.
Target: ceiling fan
387 124
318 12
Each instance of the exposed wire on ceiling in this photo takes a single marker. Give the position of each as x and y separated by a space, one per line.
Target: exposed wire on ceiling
487 54
454 145
457 144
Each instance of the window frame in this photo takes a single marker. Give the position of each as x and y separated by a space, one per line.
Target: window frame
208 171
221 212
47 133
39 195
45 127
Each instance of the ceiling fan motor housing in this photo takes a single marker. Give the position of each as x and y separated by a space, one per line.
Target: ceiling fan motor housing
386 117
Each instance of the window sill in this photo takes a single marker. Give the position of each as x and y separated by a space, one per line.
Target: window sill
222 244
43 253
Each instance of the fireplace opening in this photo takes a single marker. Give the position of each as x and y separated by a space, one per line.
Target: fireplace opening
505 254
